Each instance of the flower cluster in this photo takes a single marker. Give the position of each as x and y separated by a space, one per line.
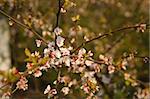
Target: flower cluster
142 94
76 67
58 56
50 92
22 83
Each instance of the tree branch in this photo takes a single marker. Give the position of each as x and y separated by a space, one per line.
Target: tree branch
58 14
23 26
108 34
115 43
57 20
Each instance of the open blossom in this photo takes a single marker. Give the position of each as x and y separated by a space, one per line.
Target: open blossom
6 95
111 69
45 33
46 66
65 90
85 88
50 92
65 51
89 74
142 94
60 41
88 62
80 69
38 43
46 51
102 57
63 10
15 71
51 46
96 67
64 79
22 83
107 60
37 73
67 60
57 31
29 65
79 61
90 53
142 28
124 64
57 53
81 52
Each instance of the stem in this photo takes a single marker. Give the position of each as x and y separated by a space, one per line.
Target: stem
57 20
115 43
23 26
4 86
14 90
58 14
107 34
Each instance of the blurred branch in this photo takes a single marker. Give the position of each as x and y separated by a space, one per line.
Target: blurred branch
103 86
23 26
4 86
57 20
115 43
58 14
146 59
100 82
109 34
119 70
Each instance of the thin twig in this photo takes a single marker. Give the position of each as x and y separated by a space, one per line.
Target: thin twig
58 14
23 26
99 62
57 20
14 90
115 43
4 86
107 34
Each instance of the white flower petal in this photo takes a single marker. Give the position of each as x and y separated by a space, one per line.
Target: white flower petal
57 31
60 41
57 53
67 61
88 62
38 43
47 90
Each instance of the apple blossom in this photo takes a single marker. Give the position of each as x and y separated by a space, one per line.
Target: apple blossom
22 83
57 31
37 73
111 69
60 41
65 90
38 43
50 92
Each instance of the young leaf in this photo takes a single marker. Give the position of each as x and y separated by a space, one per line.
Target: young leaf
27 52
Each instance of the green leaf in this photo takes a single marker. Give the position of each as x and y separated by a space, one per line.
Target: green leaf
43 60
127 82
27 52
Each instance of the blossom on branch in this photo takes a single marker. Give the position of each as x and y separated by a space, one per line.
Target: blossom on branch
60 41
65 90
50 92
22 83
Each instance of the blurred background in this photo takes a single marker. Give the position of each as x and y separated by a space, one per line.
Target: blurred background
96 17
